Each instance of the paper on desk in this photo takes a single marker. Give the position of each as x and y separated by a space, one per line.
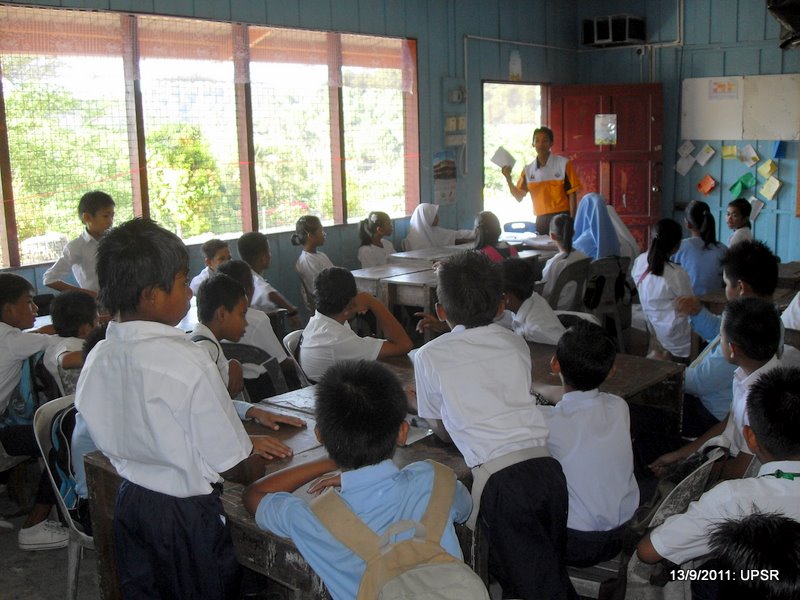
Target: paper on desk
770 188
705 154
503 158
729 152
417 429
684 164
686 148
748 155
542 242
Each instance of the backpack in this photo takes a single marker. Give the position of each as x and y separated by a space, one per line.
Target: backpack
36 386
60 457
417 567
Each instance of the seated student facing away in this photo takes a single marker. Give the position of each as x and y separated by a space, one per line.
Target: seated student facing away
561 233
216 253
328 339
309 234
473 385
96 211
375 248
590 436
17 312
254 250
701 253
527 313
773 435
487 238
74 318
155 405
377 491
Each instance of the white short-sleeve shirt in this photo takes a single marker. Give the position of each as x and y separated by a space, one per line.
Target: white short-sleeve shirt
740 235
200 278
259 333
685 536
537 322
326 342
657 295
308 265
477 382
590 436
375 256
155 405
52 356
80 259
205 338
15 347
261 291
791 316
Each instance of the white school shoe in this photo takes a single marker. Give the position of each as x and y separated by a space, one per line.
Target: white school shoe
47 535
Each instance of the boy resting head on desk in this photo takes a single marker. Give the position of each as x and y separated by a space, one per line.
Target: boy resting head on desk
473 385
360 413
328 339
590 435
155 405
773 435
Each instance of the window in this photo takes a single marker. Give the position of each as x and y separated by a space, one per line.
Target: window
210 128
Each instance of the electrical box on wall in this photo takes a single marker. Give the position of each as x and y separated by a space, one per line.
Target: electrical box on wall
455 130
613 30
454 97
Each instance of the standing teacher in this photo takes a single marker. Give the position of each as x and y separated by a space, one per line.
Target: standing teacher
551 180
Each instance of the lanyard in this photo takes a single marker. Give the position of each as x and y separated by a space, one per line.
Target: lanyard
782 475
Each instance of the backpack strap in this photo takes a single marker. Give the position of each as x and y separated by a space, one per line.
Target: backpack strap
344 525
437 514
203 338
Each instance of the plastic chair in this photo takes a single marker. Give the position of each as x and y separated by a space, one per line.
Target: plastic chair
78 540
270 383
606 284
577 272
568 318
290 341
279 322
520 227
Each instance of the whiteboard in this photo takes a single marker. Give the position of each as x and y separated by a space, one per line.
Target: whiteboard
760 107
712 108
771 107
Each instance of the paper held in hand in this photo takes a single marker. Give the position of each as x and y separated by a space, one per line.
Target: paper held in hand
502 158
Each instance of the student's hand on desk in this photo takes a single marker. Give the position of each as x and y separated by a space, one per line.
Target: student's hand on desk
326 481
429 321
688 305
270 448
273 420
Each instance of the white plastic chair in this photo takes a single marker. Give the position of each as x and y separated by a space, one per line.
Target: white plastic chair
42 424
290 342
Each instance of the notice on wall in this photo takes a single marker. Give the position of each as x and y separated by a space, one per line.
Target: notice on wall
444 177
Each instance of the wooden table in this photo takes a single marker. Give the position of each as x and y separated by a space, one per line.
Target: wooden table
275 557
789 275
715 301
427 256
371 279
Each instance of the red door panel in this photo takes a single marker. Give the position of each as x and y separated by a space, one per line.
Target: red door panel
630 181
633 124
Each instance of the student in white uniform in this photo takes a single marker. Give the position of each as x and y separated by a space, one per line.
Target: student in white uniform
590 437
74 317
561 232
155 405
791 316
424 230
737 218
375 248
215 253
328 339
527 313
309 234
660 282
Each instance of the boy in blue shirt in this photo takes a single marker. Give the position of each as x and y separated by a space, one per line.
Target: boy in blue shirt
360 412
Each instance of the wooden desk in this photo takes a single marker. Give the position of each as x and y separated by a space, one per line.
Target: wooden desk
715 301
789 275
427 256
275 557
371 279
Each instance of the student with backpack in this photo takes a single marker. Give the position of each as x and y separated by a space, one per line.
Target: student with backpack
375 492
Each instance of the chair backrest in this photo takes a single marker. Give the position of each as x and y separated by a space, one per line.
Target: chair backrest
69 379
278 319
520 227
568 318
257 388
609 273
290 342
577 272
42 426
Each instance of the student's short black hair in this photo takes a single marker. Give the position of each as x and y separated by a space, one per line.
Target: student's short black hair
252 245
334 287
753 262
134 256
212 246
218 290
72 309
359 408
753 325
240 271
545 130
470 287
767 544
96 335
518 277
12 286
773 407
91 202
586 355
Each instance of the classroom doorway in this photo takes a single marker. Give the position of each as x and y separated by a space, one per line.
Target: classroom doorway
511 111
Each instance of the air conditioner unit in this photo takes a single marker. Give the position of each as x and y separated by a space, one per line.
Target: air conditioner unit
614 30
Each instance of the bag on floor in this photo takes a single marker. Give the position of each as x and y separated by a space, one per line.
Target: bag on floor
36 386
417 567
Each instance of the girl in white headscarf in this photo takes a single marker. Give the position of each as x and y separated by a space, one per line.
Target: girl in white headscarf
424 230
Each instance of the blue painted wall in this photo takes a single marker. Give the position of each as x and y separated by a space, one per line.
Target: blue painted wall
721 38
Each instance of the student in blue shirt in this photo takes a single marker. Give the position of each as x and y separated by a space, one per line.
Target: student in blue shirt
700 254
360 413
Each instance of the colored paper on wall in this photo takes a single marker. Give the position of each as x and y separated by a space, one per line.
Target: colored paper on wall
686 148
684 164
748 155
729 152
706 184
768 168
705 154
745 182
779 150
770 188
757 206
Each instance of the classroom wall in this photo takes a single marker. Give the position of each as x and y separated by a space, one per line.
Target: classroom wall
720 38
440 27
